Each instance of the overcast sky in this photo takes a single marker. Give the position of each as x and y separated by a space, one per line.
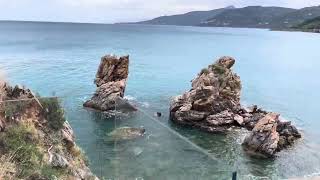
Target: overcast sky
111 11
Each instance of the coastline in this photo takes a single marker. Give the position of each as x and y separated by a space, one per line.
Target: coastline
95 23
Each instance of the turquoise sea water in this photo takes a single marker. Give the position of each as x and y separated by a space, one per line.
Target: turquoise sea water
279 72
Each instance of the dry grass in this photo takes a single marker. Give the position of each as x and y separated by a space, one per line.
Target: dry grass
7 167
2 82
2 77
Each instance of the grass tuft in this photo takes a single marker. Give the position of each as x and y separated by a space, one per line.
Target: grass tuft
20 141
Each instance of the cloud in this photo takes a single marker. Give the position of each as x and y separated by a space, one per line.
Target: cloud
110 11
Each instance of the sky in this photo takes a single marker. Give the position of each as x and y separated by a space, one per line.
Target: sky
113 11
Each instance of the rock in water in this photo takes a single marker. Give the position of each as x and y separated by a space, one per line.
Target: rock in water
126 133
213 105
214 90
264 137
137 151
111 80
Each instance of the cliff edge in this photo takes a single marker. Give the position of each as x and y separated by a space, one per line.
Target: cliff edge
36 141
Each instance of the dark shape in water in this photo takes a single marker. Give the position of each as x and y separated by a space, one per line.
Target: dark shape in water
158 114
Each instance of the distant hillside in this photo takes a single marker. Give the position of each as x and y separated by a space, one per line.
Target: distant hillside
310 25
296 17
189 19
251 16
248 17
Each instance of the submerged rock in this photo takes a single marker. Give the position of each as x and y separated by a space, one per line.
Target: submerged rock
111 80
126 133
137 151
213 105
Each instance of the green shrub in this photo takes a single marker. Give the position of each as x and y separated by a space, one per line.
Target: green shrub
19 140
204 71
50 172
14 108
53 112
79 155
218 69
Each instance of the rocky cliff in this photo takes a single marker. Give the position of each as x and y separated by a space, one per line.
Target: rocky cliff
111 80
36 141
213 105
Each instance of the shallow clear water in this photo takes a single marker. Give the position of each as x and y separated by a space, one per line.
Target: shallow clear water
279 71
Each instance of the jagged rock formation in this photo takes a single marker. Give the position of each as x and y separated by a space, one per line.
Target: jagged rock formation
36 141
270 135
213 105
214 96
264 137
111 80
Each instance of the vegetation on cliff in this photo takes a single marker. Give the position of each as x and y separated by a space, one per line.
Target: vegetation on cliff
36 141
310 25
246 17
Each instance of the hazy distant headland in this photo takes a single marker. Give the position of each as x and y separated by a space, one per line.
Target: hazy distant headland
279 18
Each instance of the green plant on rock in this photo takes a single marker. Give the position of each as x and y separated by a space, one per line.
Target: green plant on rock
79 156
218 69
13 108
52 173
20 141
204 71
53 112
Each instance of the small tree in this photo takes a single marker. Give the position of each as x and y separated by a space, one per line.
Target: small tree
53 112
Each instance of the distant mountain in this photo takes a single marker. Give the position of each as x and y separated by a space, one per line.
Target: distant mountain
248 17
251 16
310 25
189 19
296 17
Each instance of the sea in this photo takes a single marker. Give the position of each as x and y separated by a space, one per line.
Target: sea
279 72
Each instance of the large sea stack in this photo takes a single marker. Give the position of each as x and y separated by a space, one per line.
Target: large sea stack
213 105
36 141
111 80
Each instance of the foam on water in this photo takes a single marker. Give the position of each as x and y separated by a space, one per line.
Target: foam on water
130 98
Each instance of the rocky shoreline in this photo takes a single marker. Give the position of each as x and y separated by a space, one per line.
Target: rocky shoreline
213 105
36 141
